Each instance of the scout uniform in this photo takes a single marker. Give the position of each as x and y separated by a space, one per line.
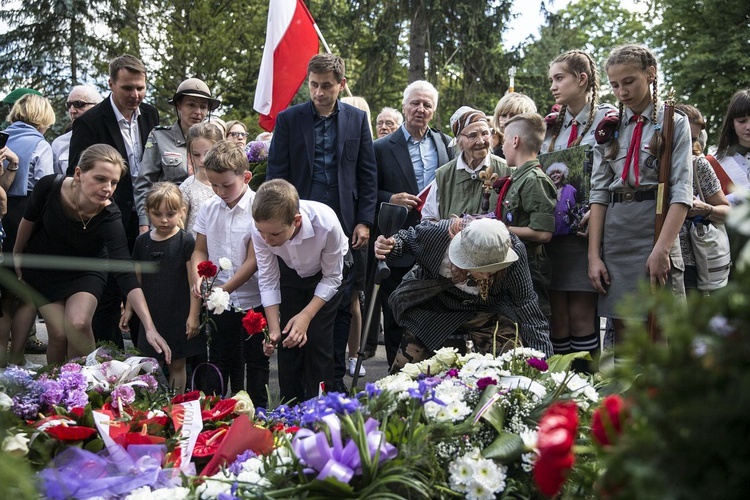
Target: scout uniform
164 159
568 254
630 197
530 202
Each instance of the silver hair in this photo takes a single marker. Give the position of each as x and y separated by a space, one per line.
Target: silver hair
92 93
558 167
395 112
421 85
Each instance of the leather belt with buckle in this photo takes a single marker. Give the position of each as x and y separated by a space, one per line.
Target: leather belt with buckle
630 196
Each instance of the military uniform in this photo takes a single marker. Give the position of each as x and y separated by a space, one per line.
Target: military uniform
628 237
568 254
164 159
530 202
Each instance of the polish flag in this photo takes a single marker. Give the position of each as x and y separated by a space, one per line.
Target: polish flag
291 40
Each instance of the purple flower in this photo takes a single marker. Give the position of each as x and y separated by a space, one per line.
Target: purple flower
482 383
372 390
537 363
76 399
71 367
452 373
53 393
72 381
151 384
236 466
257 151
123 393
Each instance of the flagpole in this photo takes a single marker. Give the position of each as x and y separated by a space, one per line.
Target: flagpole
328 50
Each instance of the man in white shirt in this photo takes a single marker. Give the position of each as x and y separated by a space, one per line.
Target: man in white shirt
303 256
81 99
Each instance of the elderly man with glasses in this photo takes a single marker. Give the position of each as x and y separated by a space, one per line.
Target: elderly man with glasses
81 99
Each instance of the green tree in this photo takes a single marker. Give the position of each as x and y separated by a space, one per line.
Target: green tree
593 26
705 47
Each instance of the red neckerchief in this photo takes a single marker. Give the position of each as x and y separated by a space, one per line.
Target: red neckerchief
633 150
573 133
504 184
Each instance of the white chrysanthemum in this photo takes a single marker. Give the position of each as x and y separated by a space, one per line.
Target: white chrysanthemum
212 489
398 384
450 390
460 471
431 409
477 491
225 264
490 475
251 477
254 464
218 301
458 410
529 438
443 415
527 462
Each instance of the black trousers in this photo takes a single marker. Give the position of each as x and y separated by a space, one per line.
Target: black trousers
302 369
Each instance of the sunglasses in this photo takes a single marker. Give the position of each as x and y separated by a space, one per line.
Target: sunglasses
78 104
238 135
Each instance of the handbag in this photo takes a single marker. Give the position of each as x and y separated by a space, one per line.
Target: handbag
710 243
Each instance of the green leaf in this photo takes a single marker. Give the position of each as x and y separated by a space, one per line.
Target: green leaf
562 362
506 448
494 415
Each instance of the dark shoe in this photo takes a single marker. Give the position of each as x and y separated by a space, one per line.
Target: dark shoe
35 346
367 355
339 386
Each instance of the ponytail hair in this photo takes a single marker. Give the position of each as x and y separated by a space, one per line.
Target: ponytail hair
643 58
577 63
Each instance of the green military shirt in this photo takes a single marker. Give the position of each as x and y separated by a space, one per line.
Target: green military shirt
531 198
459 193
164 159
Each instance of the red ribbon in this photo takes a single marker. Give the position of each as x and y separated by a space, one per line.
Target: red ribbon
633 150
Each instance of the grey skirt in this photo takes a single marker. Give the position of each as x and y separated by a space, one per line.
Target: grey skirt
626 245
568 257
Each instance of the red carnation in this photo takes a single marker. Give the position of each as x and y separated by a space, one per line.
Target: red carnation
606 424
255 323
221 410
207 269
70 432
557 431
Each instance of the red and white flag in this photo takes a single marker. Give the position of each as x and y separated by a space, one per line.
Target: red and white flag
291 40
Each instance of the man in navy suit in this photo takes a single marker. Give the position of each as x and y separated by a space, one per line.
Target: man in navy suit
324 148
407 160
122 121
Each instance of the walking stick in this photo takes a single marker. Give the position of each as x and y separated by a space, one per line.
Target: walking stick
390 220
662 192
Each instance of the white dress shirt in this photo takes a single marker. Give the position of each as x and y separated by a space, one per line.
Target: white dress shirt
131 136
320 245
228 232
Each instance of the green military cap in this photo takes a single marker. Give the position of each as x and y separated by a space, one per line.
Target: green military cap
17 94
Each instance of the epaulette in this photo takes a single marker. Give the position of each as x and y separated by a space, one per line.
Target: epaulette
607 127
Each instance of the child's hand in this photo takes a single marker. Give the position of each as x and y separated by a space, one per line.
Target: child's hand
127 313
584 225
269 348
159 344
196 289
598 275
296 330
192 326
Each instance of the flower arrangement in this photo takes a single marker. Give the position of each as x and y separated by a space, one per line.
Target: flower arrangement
257 156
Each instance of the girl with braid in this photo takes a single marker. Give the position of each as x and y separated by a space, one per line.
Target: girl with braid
574 83
625 175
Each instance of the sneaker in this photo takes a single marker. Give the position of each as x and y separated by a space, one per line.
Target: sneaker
28 366
35 346
353 366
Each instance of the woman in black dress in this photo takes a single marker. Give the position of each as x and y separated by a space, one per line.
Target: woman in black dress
76 218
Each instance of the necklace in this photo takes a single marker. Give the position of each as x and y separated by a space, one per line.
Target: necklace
80 216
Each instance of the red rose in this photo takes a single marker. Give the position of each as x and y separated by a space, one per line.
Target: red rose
70 432
254 322
221 410
207 269
556 435
188 396
209 441
606 424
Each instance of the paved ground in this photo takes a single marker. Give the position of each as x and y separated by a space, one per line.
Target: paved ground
375 366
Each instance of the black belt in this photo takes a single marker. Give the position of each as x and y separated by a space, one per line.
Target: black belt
630 196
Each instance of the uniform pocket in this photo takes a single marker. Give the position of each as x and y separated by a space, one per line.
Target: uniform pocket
171 159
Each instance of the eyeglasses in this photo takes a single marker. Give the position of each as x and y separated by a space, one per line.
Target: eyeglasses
238 135
387 123
79 104
474 136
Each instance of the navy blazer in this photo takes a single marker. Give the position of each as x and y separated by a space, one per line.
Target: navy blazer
99 126
292 154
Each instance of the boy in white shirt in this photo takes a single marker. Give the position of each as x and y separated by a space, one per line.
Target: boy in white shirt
302 255
224 229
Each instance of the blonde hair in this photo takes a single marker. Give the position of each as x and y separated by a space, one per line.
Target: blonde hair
101 152
577 63
166 193
203 130
226 156
232 123
276 199
531 130
513 103
642 58
359 103
34 110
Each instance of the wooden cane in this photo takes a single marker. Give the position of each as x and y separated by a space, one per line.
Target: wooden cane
662 191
